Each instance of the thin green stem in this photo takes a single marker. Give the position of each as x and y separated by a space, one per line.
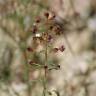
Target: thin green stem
46 61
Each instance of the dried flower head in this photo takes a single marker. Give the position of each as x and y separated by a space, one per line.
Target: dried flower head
46 67
46 14
34 29
38 19
31 62
50 38
51 16
29 49
55 50
62 48
57 30
51 27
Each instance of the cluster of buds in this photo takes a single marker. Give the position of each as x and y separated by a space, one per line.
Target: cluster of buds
29 49
61 49
50 18
32 62
47 35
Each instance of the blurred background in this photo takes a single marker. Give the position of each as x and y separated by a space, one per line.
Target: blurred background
77 74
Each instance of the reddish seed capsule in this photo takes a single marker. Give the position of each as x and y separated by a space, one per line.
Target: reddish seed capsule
45 67
31 62
46 14
34 30
51 17
29 49
51 27
55 50
62 48
58 66
49 38
54 16
57 30
38 20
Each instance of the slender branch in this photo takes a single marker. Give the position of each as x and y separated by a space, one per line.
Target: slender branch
46 60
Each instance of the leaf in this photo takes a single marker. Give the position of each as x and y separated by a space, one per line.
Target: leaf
52 66
37 66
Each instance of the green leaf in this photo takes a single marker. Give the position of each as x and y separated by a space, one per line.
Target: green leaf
37 66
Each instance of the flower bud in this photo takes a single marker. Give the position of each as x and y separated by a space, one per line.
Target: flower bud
46 14
34 29
62 48
51 16
31 62
38 20
55 50
29 49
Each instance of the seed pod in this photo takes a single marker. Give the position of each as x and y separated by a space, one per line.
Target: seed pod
34 29
57 30
46 14
62 48
49 38
31 62
38 19
51 16
58 66
55 50
51 27
29 49
45 67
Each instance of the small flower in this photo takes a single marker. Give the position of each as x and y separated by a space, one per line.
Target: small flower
55 50
62 48
49 38
46 14
51 16
38 19
51 27
31 62
34 29
58 66
29 49
57 30
45 66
